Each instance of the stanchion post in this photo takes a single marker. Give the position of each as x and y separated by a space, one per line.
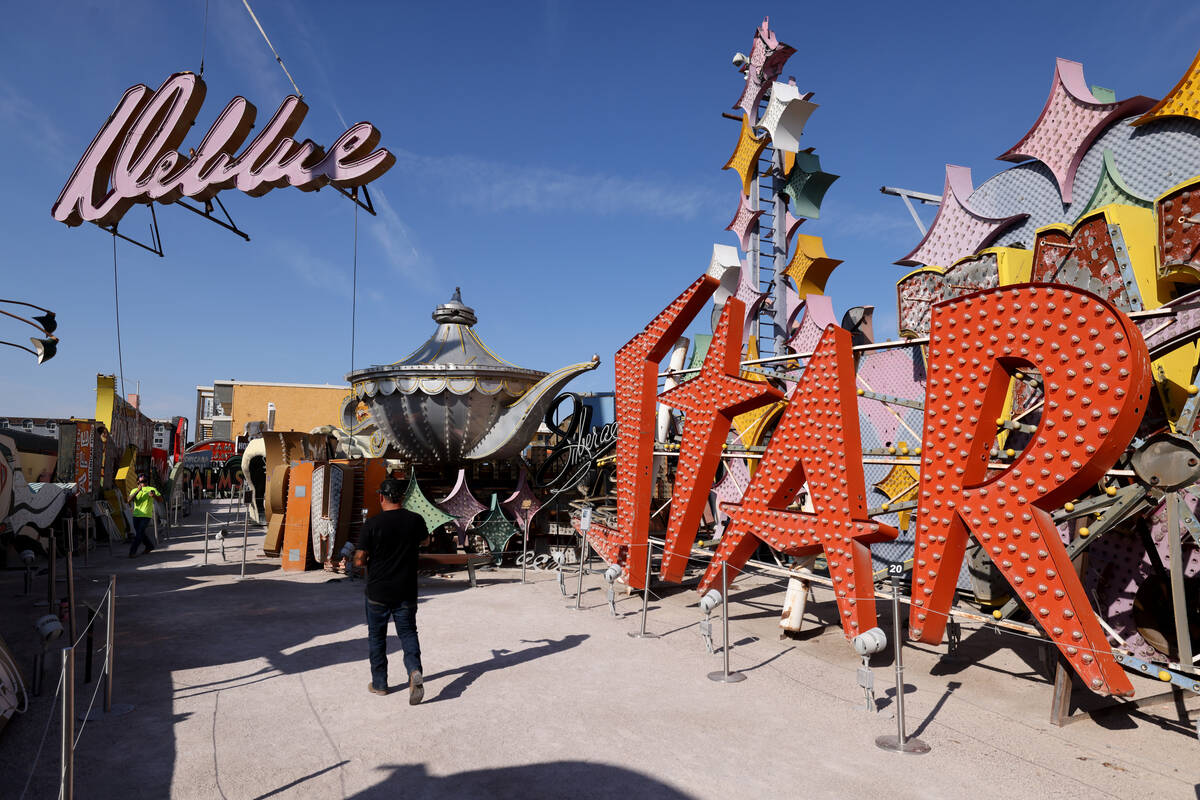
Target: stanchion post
585 522
110 658
245 539
67 770
583 559
206 537
899 743
52 575
110 638
52 594
725 676
524 549
88 650
642 634
71 579
39 665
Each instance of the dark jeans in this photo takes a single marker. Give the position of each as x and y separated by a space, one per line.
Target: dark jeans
140 536
405 618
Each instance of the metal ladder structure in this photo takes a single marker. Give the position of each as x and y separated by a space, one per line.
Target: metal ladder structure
768 246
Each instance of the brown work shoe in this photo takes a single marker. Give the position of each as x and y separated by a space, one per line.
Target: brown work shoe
416 687
371 688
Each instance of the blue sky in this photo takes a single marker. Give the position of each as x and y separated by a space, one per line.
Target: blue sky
559 161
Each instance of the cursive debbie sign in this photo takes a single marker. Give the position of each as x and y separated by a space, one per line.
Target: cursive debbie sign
134 157
579 445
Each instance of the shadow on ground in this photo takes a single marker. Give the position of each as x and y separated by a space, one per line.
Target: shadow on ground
587 781
501 659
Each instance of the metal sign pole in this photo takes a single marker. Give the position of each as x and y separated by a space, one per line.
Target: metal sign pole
725 676
1178 594
899 743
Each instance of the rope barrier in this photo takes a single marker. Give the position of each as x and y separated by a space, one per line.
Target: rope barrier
65 690
92 621
42 742
87 714
996 627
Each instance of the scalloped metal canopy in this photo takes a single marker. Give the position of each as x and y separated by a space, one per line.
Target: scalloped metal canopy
453 358
452 400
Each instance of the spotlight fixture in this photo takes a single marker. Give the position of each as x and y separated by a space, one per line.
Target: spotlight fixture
870 642
49 627
45 348
47 321
44 322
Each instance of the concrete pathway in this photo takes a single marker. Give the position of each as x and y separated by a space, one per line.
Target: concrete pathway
257 689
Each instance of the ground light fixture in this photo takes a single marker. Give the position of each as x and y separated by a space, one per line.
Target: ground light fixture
710 601
49 627
868 643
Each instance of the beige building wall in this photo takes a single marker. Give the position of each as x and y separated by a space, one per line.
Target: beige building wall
298 407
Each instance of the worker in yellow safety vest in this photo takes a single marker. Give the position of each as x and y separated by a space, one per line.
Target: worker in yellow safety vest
142 499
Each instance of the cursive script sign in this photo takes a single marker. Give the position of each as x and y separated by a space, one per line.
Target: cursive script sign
134 159
579 445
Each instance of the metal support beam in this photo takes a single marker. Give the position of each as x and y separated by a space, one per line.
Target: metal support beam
207 212
1178 600
366 204
908 196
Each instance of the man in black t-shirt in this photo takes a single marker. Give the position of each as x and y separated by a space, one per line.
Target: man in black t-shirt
387 550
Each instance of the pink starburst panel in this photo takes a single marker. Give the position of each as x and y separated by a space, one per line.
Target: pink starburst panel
1070 121
957 230
744 222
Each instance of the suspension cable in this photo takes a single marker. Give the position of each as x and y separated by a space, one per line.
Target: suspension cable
204 39
117 308
354 289
258 24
